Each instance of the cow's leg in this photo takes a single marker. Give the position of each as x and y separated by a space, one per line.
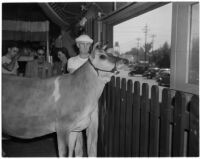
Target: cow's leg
79 145
92 134
72 141
62 139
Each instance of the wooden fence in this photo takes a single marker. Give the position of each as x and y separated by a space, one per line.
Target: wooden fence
132 125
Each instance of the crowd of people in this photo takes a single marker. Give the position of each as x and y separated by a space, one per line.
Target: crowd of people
36 63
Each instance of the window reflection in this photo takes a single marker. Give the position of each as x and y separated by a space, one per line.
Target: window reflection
193 74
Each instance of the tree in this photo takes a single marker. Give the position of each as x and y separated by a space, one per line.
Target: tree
161 56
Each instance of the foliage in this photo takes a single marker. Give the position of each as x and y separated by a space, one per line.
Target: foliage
160 57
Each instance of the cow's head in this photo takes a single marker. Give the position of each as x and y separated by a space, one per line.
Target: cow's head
105 63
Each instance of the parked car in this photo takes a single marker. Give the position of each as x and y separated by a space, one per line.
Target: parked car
164 79
160 72
151 73
137 70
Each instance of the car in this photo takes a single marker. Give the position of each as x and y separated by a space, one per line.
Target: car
137 70
160 72
151 73
164 79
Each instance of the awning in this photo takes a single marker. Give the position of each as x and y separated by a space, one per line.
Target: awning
25 31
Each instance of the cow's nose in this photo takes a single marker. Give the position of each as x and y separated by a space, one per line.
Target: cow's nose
125 61
117 72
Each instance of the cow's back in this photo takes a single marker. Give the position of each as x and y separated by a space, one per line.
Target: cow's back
27 106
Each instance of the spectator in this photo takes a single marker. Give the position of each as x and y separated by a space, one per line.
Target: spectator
9 61
39 67
60 61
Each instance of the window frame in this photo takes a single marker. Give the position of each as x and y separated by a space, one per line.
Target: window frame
123 14
178 79
180 48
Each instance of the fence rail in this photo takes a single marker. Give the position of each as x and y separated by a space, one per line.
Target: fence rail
133 125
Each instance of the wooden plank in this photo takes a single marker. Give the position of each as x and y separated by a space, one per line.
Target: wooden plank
154 122
193 143
112 117
100 128
165 119
108 96
144 121
117 117
136 120
179 125
122 117
129 101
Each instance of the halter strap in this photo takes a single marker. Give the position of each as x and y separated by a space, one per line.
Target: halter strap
98 69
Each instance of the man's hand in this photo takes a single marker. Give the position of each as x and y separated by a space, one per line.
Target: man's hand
17 56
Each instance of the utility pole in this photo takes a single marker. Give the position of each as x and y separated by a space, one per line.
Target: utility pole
138 45
145 42
153 36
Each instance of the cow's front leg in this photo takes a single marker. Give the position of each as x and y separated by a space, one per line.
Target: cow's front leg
62 139
92 134
72 141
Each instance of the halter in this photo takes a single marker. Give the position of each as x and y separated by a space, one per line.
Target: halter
98 69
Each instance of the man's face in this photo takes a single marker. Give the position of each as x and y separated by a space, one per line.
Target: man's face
84 47
40 54
13 51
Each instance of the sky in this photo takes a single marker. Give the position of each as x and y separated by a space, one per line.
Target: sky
158 22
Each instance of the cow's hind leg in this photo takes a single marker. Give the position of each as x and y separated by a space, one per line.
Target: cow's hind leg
62 139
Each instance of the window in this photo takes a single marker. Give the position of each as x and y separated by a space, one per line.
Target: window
146 37
193 71
185 47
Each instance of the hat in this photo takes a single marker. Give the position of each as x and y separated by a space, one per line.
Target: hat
84 38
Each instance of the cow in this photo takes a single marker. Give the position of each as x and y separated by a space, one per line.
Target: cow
36 107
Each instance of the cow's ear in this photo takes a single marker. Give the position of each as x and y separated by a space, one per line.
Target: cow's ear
94 48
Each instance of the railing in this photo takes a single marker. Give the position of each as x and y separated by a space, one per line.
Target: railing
132 125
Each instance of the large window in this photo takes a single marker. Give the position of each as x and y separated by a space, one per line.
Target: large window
185 47
193 71
146 37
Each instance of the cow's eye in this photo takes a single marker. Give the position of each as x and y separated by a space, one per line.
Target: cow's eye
102 57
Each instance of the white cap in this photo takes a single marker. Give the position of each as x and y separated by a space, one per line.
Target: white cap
84 38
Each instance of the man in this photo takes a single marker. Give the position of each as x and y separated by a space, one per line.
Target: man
9 61
83 42
39 68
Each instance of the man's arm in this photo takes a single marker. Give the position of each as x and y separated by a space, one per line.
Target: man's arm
11 65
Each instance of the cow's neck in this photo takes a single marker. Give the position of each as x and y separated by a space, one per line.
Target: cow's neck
89 78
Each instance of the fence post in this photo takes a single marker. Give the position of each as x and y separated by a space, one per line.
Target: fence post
117 119
107 118
122 117
128 125
111 117
154 122
136 120
144 127
179 125
193 143
165 119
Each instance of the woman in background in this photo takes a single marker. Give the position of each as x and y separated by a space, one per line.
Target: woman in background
60 61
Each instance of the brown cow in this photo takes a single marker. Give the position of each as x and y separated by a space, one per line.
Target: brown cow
63 104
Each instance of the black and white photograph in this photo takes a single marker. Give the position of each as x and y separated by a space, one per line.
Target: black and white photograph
99 78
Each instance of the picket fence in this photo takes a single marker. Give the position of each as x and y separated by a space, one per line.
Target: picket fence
133 125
